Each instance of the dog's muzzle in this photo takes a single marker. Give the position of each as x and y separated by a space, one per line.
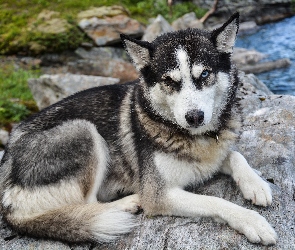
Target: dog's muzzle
194 118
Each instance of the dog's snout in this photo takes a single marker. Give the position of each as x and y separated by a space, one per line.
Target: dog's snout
194 117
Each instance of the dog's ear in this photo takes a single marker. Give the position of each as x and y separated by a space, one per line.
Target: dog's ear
139 51
224 37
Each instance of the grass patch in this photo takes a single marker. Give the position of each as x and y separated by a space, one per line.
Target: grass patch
143 10
16 100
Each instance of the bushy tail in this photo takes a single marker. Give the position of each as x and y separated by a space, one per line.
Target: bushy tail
77 223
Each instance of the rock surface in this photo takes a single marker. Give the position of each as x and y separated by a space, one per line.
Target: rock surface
3 137
252 85
267 141
243 57
49 24
49 89
104 61
103 11
107 30
249 27
260 11
266 66
158 27
102 53
249 61
188 20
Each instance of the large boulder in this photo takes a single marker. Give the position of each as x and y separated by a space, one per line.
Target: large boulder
157 27
266 66
49 89
103 11
104 61
252 85
49 31
249 61
267 141
260 11
243 57
49 22
104 25
188 20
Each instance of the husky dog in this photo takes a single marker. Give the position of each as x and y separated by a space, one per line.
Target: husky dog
66 169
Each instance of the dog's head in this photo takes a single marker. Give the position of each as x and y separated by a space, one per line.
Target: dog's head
188 74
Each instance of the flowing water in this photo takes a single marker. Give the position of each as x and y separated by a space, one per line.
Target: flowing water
277 40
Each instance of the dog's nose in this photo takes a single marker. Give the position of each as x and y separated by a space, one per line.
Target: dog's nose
194 117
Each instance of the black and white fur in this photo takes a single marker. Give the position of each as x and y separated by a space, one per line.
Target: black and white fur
65 168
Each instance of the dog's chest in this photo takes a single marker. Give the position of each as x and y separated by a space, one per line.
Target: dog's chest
180 172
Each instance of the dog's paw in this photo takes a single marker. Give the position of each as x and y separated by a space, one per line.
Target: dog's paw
254 227
129 203
254 188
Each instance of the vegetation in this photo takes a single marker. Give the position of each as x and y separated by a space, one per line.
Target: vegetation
16 100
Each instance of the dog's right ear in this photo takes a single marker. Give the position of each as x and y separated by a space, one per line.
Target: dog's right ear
139 51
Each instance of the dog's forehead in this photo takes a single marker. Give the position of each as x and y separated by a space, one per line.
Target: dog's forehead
198 47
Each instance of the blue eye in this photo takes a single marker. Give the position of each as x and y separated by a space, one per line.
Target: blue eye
204 74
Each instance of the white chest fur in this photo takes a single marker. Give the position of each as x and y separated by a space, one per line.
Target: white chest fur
179 173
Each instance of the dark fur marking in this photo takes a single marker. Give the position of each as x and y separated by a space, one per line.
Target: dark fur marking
60 162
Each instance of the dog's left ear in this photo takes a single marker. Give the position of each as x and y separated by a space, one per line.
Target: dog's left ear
139 51
224 37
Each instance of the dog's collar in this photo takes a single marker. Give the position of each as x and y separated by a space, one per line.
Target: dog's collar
213 135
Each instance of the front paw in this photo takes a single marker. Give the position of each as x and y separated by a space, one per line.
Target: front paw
254 188
253 226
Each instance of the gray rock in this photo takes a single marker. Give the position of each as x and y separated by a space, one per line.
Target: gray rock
49 89
267 141
101 53
248 27
249 61
124 71
104 61
158 27
49 22
103 11
266 66
4 135
243 57
260 11
188 20
252 85
107 30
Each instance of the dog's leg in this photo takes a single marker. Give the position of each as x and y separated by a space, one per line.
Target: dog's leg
253 187
129 203
248 222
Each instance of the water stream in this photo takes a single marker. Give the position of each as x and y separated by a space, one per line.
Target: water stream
277 40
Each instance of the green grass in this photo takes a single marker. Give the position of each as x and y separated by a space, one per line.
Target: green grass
16 100
143 10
